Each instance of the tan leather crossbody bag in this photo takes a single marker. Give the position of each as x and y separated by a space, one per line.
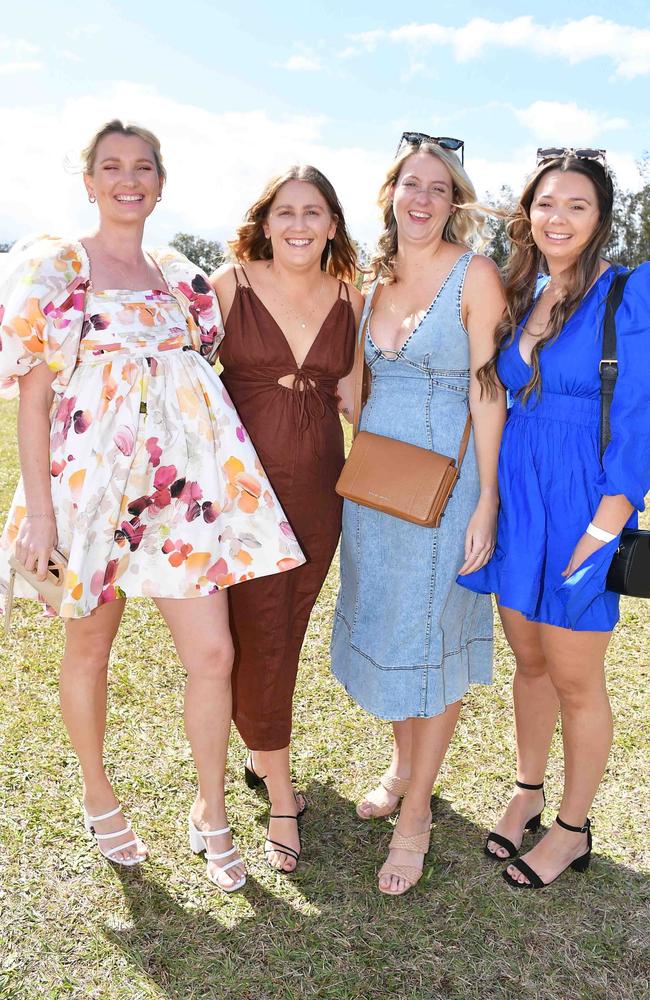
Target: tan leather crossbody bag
393 476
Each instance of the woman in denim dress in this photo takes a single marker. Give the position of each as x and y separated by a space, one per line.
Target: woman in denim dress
408 641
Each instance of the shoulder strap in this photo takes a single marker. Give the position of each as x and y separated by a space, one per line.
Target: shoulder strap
359 358
608 367
236 269
344 288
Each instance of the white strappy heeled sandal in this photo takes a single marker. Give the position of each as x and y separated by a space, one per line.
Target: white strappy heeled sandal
198 844
89 822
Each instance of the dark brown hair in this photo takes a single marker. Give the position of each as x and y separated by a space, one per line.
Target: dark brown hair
526 262
339 257
116 127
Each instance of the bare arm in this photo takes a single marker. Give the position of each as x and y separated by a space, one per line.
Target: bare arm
224 284
37 532
485 304
345 389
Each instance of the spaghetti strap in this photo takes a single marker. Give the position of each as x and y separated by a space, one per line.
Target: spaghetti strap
343 285
239 283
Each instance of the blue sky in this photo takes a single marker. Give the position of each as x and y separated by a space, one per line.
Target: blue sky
238 92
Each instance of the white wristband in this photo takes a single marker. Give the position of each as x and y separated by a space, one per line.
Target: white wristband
600 533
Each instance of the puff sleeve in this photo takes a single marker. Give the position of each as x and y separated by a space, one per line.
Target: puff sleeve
193 292
42 296
626 462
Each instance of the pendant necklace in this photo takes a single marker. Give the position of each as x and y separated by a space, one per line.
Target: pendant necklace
304 323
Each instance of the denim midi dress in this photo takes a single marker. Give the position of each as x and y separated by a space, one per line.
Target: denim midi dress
407 640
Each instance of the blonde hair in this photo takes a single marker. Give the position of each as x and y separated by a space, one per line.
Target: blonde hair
116 127
339 257
465 226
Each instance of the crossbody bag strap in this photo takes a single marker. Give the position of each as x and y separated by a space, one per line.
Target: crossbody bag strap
608 367
464 441
359 359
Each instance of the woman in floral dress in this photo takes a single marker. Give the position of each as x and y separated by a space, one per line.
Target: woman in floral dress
136 467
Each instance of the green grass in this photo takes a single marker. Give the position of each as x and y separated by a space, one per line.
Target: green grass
72 926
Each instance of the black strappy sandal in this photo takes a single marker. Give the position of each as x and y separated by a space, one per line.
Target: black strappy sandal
532 825
258 782
534 881
282 848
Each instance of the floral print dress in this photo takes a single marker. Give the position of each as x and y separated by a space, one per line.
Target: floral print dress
157 489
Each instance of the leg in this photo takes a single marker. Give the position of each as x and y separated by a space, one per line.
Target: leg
430 739
82 687
576 665
268 619
381 801
199 628
274 767
536 709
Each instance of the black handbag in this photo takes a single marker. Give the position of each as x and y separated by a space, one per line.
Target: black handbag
629 573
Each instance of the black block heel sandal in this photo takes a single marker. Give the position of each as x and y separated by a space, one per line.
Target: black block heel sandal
251 777
532 825
534 881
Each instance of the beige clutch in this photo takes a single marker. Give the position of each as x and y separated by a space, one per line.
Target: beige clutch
50 589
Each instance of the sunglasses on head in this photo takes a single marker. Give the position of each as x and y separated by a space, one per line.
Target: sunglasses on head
444 141
558 152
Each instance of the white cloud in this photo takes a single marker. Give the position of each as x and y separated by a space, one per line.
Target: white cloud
17 46
568 123
627 46
20 66
69 55
16 56
218 164
301 61
83 31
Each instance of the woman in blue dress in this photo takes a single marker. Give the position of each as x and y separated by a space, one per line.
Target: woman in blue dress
408 641
562 509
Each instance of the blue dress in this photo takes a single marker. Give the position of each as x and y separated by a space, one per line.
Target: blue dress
551 478
407 640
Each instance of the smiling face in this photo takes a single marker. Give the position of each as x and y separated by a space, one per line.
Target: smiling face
564 215
422 198
124 179
299 223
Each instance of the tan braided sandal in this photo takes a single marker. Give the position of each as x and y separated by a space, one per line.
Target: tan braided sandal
392 784
419 844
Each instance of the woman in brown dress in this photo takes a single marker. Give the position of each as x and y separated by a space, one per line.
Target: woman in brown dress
290 317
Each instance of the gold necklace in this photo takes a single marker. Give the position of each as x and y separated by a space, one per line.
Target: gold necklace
303 323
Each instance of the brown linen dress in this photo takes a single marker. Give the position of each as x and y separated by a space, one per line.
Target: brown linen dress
299 439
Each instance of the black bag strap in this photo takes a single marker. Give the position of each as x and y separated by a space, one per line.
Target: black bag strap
609 364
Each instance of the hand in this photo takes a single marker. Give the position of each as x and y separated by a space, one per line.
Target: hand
480 537
585 548
35 541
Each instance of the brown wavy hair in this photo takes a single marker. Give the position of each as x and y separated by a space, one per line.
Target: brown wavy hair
116 127
526 262
465 227
339 257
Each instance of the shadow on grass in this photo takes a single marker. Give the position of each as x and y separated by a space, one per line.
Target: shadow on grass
328 932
